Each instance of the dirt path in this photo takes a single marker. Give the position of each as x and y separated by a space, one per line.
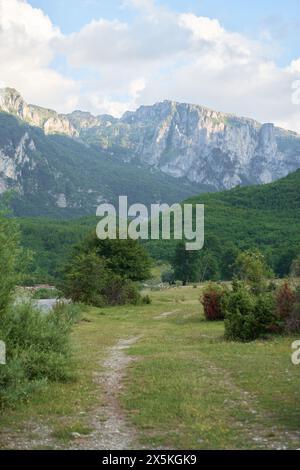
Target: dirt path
264 436
113 432
110 429
165 315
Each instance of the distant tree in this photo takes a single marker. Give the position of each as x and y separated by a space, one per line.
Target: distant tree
185 264
126 258
209 268
229 256
295 268
168 277
10 259
103 272
250 266
86 277
283 264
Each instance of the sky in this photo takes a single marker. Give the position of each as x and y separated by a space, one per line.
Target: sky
110 56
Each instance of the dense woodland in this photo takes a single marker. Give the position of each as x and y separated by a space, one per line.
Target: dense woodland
264 217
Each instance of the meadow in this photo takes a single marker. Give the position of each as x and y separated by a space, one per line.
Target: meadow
177 384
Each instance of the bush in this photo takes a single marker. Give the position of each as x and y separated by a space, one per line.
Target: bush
38 350
119 291
168 277
146 299
105 272
46 293
292 323
248 316
251 267
285 301
212 302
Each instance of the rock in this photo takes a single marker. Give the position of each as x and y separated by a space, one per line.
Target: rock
206 147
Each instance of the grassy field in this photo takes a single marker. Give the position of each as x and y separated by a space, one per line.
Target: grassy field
187 388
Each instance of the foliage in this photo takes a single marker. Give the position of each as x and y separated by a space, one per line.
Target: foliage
37 345
265 217
285 301
46 293
10 253
86 277
168 277
125 258
292 323
146 300
248 316
185 264
295 267
250 266
91 172
37 348
211 300
103 272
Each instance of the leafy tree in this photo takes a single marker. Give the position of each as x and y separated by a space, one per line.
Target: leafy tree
229 256
102 272
250 266
295 268
86 277
209 268
168 277
126 258
10 253
185 264
248 315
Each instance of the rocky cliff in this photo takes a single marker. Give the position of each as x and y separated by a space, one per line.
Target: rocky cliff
187 141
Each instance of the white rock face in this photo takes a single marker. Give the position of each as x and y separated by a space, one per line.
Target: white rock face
183 140
205 146
61 201
51 122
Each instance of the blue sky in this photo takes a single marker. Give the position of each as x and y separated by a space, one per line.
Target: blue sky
108 56
281 18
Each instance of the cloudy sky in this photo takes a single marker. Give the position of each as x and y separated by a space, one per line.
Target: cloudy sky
107 56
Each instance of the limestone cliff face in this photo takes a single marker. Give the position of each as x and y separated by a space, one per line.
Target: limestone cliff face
204 146
194 142
182 140
51 122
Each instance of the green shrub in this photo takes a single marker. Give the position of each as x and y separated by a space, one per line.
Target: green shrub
248 316
46 293
146 299
38 350
106 272
251 267
292 323
168 277
119 291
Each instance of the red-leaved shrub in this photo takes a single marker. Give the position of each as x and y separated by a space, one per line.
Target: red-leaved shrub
285 301
212 302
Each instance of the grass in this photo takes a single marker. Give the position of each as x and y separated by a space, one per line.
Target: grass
188 388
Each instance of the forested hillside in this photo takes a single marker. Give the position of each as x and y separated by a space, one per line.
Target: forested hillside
265 217
59 177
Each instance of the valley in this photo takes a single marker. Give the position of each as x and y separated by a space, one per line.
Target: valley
156 381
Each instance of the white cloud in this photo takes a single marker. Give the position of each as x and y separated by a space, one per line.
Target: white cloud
26 36
159 55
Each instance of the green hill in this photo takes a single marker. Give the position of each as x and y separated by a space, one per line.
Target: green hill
60 177
265 217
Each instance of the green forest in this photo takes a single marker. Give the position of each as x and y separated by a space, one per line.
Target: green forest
263 217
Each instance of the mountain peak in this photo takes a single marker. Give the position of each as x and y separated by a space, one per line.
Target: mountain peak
12 102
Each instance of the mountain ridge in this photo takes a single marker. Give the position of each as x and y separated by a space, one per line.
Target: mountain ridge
191 145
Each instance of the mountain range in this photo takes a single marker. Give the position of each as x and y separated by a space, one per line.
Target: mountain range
65 164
